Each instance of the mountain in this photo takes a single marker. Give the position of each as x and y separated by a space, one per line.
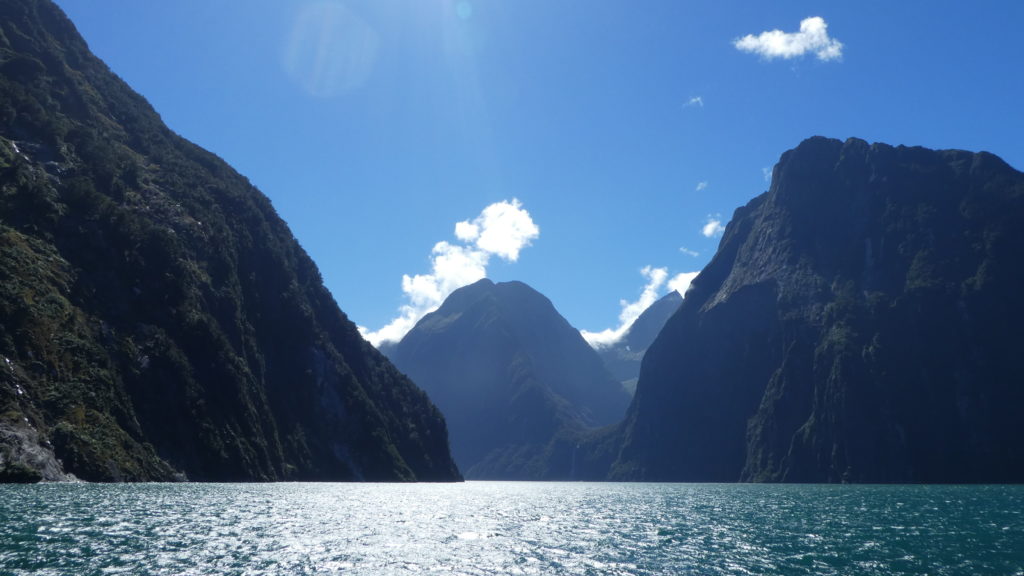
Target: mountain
158 320
860 322
514 380
623 358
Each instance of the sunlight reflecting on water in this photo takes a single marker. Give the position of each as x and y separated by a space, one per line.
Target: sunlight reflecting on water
510 528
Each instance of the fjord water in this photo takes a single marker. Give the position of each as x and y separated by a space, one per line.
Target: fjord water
510 528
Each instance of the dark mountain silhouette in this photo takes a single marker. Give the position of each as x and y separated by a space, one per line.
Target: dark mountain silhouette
860 322
157 318
517 384
623 358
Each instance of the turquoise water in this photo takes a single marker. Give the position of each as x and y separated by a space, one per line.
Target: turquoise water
510 528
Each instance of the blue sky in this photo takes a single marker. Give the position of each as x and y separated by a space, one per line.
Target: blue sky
596 142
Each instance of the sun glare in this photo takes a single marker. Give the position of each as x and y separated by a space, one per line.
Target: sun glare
330 50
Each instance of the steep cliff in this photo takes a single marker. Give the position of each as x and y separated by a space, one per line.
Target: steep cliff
517 384
157 318
859 323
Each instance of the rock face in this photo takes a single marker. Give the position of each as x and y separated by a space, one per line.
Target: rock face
623 358
516 382
157 318
859 323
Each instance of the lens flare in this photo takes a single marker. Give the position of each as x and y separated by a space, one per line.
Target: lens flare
331 50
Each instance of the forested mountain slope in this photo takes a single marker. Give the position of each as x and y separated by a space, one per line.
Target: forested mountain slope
158 320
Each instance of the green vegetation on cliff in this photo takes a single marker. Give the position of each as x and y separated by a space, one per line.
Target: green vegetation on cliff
157 318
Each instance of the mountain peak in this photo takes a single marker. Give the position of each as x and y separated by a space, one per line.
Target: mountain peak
855 324
510 374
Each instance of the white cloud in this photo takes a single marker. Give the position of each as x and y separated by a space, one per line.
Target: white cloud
697 101
503 229
689 252
812 38
702 185
630 310
681 282
767 173
467 232
713 227
654 289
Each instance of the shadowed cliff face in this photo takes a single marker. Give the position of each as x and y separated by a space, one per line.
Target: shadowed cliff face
860 322
517 384
157 318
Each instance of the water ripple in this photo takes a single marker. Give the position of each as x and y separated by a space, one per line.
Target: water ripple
484 528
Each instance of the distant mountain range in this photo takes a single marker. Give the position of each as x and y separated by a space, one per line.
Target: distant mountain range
623 357
158 320
513 379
